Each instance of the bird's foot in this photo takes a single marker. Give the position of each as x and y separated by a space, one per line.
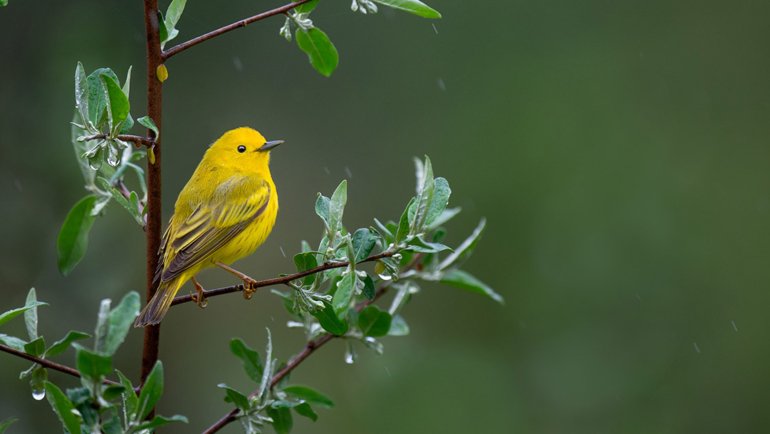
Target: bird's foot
200 296
249 284
249 287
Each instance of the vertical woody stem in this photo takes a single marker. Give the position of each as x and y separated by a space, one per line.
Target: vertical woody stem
154 106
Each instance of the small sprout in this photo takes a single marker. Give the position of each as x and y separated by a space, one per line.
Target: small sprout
363 6
302 20
285 30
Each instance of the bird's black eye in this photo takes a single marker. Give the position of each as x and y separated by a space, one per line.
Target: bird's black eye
241 149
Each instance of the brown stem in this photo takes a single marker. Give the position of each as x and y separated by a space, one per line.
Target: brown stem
279 280
238 24
309 349
136 140
153 227
47 363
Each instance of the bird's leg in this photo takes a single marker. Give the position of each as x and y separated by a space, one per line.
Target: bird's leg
249 284
199 297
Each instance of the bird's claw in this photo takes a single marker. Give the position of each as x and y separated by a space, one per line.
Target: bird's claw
249 287
199 297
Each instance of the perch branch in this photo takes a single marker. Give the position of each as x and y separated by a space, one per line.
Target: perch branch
280 280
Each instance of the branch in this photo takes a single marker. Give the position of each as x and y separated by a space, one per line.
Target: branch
222 30
280 280
48 364
136 140
309 349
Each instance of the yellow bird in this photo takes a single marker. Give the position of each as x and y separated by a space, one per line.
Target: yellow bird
226 210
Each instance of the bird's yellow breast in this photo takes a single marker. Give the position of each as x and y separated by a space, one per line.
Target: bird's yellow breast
252 236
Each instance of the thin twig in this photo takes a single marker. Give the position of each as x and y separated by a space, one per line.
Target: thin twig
48 364
238 24
279 280
136 140
309 349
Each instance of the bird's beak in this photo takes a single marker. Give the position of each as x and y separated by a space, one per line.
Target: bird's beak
269 145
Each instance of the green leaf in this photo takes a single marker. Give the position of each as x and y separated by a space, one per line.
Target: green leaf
72 242
310 395
403 223
30 315
159 421
465 248
306 8
319 49
120 320
330 321
250 358
322 209
97 96
127 125
13 342
81 93
344 292
35 347
464 280
282 420
151 391
444 217
384 231
337 205
398 326
148 123
63 408
237 398
415 7
306 261
363 243
7 422
118 107
417 244
13 313
368 289
173 13
374 322
62 344
425 189
130 399
438 202
162 30
113 391
304 409
102 327
92 365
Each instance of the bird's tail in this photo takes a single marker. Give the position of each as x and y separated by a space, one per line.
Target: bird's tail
156 309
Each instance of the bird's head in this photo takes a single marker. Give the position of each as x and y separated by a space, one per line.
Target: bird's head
242 149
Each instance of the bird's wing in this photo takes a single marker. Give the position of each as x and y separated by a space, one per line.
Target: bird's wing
236 203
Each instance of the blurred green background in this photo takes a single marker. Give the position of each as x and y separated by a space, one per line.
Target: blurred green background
618 149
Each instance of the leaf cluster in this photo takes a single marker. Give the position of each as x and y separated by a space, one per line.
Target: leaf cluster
97 405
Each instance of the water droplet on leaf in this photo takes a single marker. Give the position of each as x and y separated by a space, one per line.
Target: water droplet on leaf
38 394
350 354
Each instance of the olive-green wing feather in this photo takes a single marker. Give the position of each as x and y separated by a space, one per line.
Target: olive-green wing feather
236 203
